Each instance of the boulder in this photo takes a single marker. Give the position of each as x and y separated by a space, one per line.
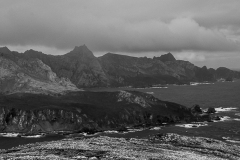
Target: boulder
211 110
217 118
196 109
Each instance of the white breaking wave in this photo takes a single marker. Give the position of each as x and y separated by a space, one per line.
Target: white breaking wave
135 130
155 128
111 132
233 141
227 109
224 118
9 134
192 125
158 87
197 83
150 92
34 136
228 139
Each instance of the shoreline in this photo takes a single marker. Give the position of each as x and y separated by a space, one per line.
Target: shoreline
130 131
127 130
132 128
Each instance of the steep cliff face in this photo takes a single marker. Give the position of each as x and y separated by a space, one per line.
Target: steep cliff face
35 121
79 111
32 76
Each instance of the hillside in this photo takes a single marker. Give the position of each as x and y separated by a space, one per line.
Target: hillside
31 76
78 111
85 70
79 65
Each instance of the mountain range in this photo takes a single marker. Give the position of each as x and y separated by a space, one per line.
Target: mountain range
34 71
41 93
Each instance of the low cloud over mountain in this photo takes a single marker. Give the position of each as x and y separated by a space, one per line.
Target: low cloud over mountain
134 27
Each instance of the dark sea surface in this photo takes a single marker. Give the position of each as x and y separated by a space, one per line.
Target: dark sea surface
218 95
9 142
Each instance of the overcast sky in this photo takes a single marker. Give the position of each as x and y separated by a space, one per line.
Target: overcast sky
205 32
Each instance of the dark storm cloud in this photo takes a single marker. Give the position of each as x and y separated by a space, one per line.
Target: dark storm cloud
126 26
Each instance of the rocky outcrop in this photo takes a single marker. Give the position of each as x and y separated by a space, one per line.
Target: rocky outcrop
169 146
196 109
211 110
79 111
166 57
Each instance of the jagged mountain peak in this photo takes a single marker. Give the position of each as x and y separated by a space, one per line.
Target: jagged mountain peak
31 51
169 54
4 50
80 48
166 57
80 51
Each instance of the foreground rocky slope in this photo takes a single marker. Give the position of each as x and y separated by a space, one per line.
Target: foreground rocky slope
169 147
83 69
87 111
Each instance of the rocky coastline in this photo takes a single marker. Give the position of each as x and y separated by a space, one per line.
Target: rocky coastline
87 112
13 126
199 117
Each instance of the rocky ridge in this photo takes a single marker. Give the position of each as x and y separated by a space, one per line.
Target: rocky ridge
83 69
